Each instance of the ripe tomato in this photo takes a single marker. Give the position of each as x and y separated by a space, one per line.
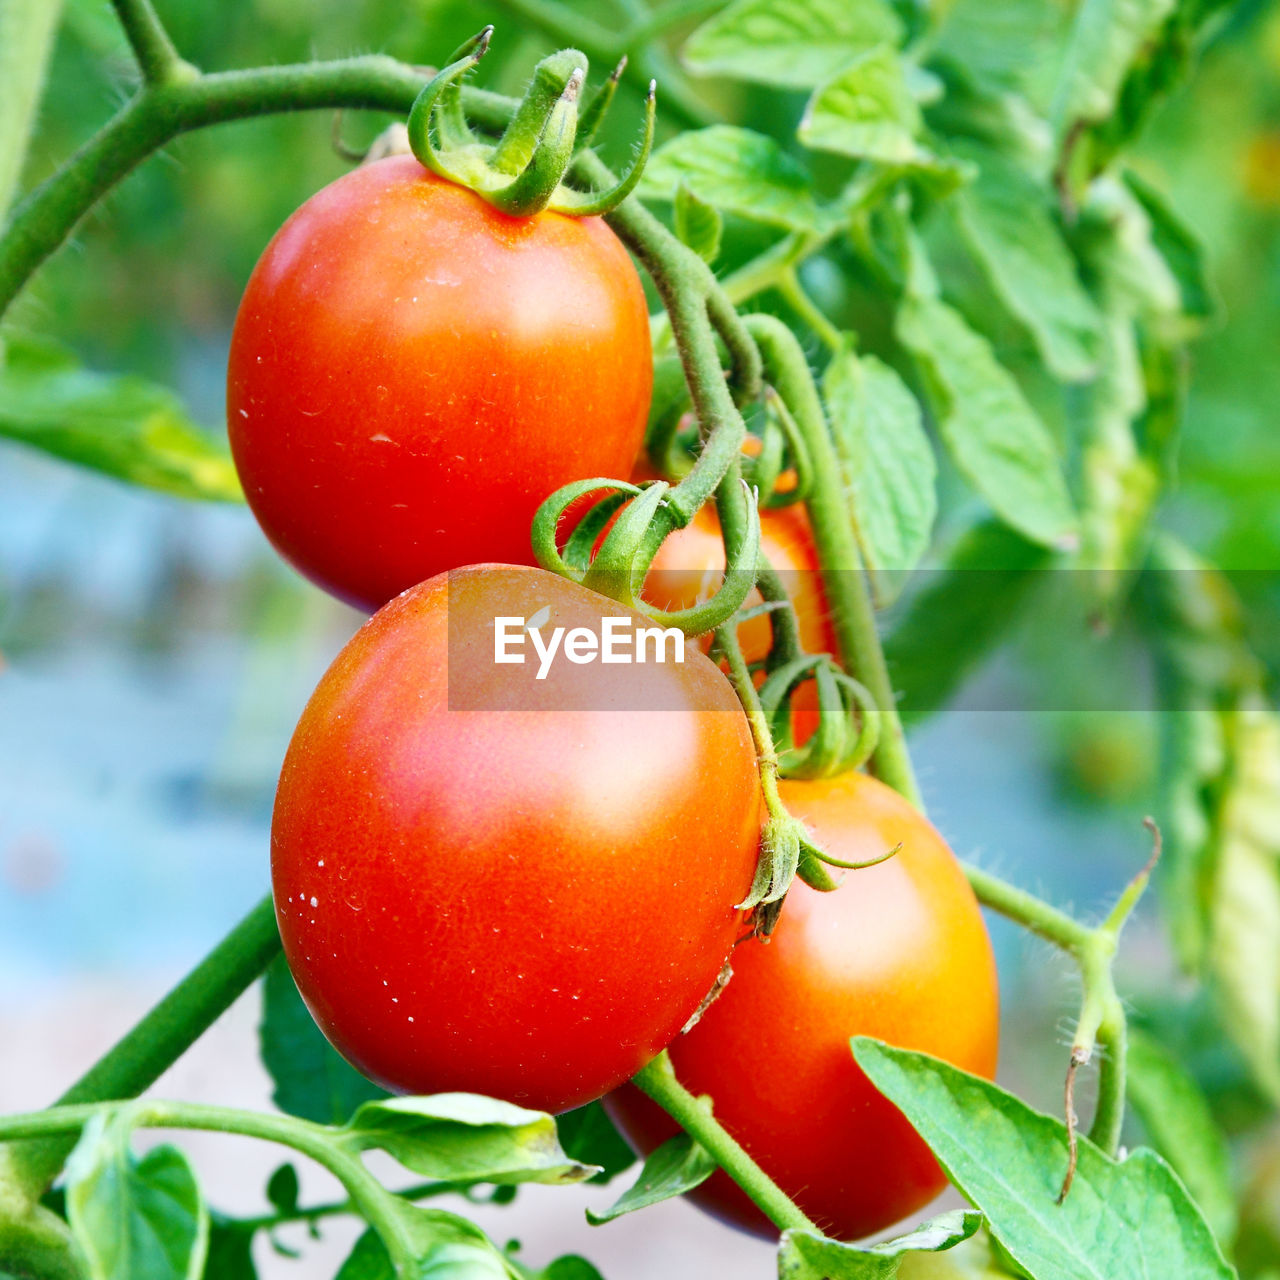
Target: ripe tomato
689 567
491 882
900 952
412 372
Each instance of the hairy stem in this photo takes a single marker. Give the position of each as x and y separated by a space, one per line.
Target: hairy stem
694 1116
157 59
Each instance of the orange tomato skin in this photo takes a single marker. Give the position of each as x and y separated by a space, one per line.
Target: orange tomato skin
412 373
899 952
526 902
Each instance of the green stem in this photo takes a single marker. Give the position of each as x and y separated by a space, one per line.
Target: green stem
27 29
1112 1045
694 1116
368 1197
1029 911
157 59
159 113
161 1038
793 293
843 577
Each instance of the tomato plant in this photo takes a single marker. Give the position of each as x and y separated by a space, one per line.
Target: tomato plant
893 953
413 371
485 882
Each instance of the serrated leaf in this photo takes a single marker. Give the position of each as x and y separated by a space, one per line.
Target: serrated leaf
737 171
677 1166
805 1255
887 459
992 433
865 111
796 46
697 223
1006 42
311 1079
462 1137
974 1259
120 425
1181 248
1006 218
590 1137
1106 38
134 1219
959 617
1181 1127
1120 1219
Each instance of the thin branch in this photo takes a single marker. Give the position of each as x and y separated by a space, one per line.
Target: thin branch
157 59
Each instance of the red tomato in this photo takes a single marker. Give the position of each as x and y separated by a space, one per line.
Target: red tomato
526 901
689 567
899 952
412 372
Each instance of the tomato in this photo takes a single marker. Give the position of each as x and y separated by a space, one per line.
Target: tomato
690 564
505 885
899 952
412 372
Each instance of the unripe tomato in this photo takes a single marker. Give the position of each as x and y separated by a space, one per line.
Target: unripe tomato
505 885
412 372
899 952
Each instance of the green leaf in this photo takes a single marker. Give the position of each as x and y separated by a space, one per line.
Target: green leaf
865 111
230 1255
697 224
1106 38
1181 1127
134 1219
992 433
447 1247
462 1137
1006 218
736 171
282 1190
589 1136
123 426
958 619
805 1255
1182 250
793 45
974 1259
888 462
312 1080
677 1166
569 1267
1125 1219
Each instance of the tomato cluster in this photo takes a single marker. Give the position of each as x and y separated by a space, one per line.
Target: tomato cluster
522 881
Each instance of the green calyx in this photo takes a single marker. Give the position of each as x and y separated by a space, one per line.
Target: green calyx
525 171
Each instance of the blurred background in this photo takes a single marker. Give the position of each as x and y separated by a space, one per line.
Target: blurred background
155 655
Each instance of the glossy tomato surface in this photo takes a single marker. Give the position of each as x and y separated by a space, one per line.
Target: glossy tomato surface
504 885
412 372
899 952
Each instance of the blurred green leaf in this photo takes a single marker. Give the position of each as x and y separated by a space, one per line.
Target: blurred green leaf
134 1219
311 1079
1106 38
972 1259
888 462
805 1255
118 424
230 1255
1007 219
589 1136
995 437
462 1137
677 1166
737 171
793 45
865 111
960 616
1179 246
1181 1127
1131 1218
697 223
